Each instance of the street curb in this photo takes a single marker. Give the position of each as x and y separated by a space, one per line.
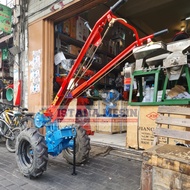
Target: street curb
121 151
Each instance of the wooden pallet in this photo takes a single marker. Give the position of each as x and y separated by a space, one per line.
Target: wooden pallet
167 166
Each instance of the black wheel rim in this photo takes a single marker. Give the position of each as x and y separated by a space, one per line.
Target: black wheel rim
70 150
26 153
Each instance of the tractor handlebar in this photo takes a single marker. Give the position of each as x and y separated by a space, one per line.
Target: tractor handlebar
160 32
117 5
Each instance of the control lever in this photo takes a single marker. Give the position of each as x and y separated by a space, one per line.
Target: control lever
160 32
88 26
117 5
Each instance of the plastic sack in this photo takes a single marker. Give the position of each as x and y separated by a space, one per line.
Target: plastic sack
67 64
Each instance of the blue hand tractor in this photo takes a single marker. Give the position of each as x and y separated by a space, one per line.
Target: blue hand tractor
32 148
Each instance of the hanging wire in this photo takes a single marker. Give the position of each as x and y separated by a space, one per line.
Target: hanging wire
75 83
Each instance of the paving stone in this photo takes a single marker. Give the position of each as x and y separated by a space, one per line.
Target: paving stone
16 180
13 187
6 183
2 188
110 172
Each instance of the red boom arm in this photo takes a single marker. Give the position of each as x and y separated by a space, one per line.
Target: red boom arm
94 39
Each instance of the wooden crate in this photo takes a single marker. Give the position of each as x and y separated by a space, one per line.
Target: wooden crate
140 129
166 167
121 104
110 125
100 106
70 118
172 121
120 108
93 123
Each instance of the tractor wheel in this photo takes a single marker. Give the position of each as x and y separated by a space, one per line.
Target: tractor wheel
11 141
31 153
82 147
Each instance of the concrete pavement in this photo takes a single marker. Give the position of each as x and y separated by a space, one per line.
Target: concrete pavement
105 170
114 140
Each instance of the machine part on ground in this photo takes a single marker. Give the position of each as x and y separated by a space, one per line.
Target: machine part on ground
11 140
31 153
82 147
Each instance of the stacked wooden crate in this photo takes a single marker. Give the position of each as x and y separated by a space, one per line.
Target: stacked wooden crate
109 125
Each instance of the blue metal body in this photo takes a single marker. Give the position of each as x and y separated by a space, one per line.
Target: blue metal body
56 139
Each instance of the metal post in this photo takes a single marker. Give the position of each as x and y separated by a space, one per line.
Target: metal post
187 77
156 85
74 157
164 87
131 89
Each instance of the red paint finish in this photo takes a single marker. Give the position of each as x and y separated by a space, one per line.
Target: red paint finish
94 39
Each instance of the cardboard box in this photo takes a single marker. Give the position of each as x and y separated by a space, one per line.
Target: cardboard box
146 125
73 21
132 127
82 31
74 50
67 27
176 90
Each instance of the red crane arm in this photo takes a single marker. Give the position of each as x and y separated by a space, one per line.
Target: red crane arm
94 39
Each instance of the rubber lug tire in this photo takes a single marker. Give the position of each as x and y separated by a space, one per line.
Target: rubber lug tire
31 153
10 144
82 147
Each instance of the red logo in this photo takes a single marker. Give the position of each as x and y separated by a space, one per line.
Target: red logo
152 115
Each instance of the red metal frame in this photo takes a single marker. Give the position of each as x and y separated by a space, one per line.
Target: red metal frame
95 39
